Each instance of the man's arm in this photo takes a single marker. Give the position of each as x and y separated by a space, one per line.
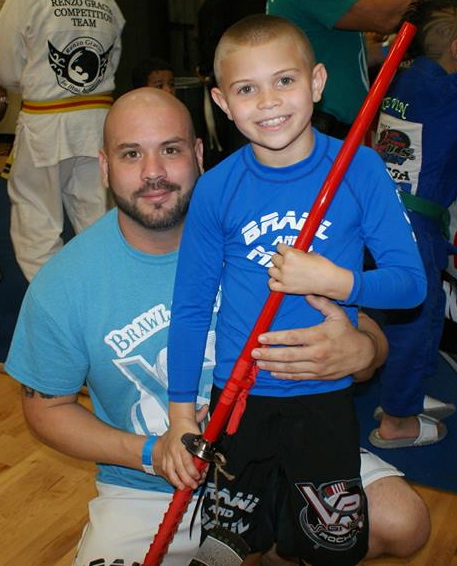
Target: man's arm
68 427
65 425
329 350
381 16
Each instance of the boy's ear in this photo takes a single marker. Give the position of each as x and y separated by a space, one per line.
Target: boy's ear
219 99
454 51
318 80
199 154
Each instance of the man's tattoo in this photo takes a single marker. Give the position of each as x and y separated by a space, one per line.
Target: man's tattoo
29 392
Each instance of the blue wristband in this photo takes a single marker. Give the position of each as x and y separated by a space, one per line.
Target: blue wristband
146 455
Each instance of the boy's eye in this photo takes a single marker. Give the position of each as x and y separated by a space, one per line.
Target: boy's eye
246 89
286 81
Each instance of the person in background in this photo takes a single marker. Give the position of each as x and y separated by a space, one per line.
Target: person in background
420 108
243 210
154 72
113 334
213 18
335 29
63 66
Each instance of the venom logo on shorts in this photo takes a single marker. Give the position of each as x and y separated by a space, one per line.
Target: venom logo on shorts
333 514
81 66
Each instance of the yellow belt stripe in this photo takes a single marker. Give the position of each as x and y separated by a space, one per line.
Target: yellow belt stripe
70 104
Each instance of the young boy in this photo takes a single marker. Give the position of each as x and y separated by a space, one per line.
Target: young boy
417 139
156 73
298 439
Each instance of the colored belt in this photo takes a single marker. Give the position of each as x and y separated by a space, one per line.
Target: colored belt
428 208
71 104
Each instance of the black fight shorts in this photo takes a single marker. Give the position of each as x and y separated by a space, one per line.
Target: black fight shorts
296 463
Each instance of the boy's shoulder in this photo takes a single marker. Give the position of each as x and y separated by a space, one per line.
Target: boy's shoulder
226 165
333 147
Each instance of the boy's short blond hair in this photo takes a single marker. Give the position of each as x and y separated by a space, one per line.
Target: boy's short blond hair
257 30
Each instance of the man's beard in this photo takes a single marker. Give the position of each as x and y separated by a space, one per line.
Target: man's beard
159 218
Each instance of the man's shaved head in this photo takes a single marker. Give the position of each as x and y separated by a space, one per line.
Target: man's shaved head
134 104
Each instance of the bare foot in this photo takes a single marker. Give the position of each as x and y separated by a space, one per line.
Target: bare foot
392 428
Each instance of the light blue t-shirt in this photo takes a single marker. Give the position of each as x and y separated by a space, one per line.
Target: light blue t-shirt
99 312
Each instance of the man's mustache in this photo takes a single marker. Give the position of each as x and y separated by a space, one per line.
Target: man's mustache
161 185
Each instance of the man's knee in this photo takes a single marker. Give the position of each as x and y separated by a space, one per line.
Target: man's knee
399 518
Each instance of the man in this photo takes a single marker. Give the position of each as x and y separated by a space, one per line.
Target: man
62 60
334 28
98 313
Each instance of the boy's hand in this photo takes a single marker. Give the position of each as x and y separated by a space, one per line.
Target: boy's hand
299 273
177 463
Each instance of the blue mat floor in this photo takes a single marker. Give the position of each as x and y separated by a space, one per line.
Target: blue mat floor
434 465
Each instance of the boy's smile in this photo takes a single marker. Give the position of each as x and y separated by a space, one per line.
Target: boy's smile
269 91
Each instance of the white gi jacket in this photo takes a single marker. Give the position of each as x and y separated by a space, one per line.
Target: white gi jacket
60 49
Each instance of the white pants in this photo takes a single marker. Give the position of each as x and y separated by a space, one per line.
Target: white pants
38 195
123 522
122 525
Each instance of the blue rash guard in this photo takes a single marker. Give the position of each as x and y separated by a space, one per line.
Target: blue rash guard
240 211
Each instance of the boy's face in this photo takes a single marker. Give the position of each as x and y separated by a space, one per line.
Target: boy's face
162 79
269 90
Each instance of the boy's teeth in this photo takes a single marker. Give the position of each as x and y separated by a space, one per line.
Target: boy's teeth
273 121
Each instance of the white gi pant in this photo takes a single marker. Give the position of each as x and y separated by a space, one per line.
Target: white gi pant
123 522
38 195
122 525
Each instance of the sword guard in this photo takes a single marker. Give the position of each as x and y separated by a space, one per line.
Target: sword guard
199 447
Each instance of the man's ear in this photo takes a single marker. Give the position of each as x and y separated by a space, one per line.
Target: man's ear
220 100
103 161
318 80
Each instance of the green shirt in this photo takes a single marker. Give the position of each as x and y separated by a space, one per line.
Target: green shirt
341 51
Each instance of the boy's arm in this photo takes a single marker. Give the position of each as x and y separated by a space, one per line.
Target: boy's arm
196 284
300 273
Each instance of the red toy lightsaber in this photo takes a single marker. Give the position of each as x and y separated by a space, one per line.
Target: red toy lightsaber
244 370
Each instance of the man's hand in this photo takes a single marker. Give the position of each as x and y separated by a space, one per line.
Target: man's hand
329 350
